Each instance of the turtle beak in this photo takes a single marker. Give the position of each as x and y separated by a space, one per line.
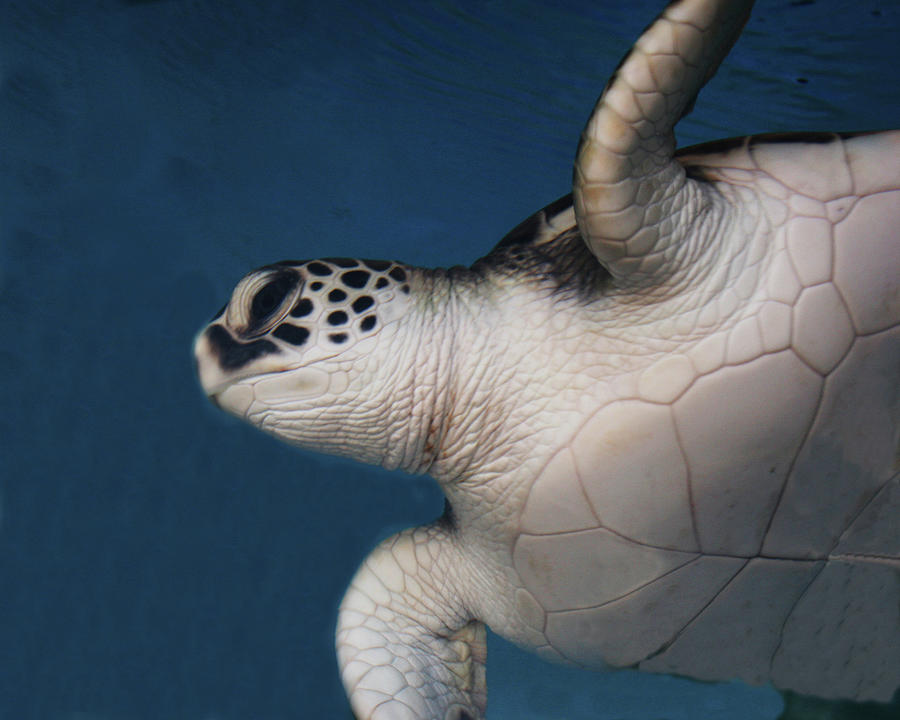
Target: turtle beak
207 366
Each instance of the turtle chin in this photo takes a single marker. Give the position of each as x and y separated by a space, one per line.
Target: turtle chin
236 399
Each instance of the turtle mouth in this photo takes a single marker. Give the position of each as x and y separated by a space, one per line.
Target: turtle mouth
221 362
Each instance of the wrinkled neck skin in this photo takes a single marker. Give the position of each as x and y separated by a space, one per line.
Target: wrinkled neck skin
489 364
456 354
496 369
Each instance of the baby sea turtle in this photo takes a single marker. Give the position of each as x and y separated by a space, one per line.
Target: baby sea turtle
664 410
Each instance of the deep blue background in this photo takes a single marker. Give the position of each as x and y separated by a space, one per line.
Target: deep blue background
158 560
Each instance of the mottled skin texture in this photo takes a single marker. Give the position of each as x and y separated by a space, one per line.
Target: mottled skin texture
665 412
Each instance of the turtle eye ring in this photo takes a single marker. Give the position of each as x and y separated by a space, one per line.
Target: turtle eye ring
261 301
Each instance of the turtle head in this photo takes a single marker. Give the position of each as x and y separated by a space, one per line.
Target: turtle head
303 348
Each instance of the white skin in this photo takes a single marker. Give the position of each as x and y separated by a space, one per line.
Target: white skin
599 438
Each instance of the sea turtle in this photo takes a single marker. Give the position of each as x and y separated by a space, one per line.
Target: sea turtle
664 410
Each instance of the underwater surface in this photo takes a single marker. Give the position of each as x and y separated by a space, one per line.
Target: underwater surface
160 560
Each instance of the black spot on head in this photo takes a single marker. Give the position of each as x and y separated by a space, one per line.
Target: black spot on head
317 268
378 265
291 333
337 295
361 304
270 297
344 262
398 273
381 283
338 317
316 285
367 323
303 308
356 278
233 354
405 289
338 338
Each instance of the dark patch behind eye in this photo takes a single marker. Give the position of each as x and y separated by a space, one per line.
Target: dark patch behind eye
291 333
355 278
381 283
317 268
302 308
361 304
343 262
367 323
338 317
378 265
398 273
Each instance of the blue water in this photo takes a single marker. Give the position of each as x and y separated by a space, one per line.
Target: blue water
158 560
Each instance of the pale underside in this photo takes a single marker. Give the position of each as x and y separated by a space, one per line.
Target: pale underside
733 510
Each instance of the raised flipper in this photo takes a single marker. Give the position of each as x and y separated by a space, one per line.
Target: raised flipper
407 648
634 204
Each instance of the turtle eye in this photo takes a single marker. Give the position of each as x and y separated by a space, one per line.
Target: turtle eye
261 300
269 298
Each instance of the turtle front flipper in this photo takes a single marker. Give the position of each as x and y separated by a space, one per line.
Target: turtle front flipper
406 647
633 201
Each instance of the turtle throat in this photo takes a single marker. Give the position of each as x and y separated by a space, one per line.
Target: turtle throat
450 387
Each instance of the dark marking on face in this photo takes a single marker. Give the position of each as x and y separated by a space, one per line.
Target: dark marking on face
291 333
381 283
338 338
320 269
343 262
367 323
316 285
233 354
405 289
303 308
398 273
361 304
270 297
338 317
356 278
379 265
337 295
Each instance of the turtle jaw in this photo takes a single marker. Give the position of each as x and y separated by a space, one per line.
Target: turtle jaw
218 366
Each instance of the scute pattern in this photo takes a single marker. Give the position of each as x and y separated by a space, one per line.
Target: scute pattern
807 321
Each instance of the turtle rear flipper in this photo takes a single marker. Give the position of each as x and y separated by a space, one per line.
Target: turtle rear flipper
633 201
